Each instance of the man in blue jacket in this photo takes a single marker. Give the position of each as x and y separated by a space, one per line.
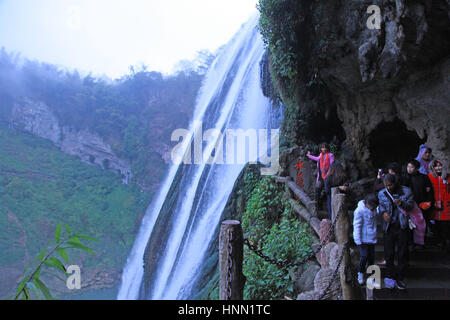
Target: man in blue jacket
395 228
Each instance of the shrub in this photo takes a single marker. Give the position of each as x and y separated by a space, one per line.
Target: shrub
263 209
289 241
270 222
277 25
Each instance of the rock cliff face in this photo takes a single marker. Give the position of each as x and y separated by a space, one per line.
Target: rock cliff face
389 87
35 117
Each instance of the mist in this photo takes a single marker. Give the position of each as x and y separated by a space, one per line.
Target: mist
105 37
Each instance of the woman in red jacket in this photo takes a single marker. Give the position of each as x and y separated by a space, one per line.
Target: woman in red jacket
441 209
324 162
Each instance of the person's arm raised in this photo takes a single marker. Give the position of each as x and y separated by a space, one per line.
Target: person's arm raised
312 157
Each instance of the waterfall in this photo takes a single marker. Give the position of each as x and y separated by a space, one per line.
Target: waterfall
182 220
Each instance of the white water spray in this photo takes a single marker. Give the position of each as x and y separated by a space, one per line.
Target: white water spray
231 97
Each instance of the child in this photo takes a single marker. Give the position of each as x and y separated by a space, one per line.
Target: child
365 232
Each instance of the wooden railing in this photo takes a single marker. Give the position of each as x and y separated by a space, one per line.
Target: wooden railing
231 242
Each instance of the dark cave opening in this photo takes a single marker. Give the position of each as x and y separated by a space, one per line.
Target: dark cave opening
393 142
326 128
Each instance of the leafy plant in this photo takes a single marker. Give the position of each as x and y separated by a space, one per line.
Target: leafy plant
270 222
32 281
292 124
277 24
289 241
251 180
263 209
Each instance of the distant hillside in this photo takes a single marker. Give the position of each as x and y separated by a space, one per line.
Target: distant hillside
51 119
39 187
134 116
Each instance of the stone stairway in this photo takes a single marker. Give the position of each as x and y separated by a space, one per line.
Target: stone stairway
427 277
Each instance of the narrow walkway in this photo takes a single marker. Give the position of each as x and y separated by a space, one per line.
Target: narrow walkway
427 277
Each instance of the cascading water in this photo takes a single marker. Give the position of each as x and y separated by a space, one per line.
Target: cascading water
182 220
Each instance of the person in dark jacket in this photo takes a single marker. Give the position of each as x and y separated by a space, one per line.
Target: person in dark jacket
419 183
395 169
378 184
392 168
395 228
421 187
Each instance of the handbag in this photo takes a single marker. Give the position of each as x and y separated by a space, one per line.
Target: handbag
416 223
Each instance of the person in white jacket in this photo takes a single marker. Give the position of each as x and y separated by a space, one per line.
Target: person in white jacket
365 232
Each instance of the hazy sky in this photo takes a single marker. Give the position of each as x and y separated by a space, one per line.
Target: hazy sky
107 36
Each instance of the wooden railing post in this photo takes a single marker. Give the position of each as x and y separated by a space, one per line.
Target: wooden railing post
338 204
231 252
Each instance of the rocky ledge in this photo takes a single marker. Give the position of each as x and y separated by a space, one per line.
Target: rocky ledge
36 117
380 92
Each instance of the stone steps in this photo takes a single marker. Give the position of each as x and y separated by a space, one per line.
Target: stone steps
427 276
413 294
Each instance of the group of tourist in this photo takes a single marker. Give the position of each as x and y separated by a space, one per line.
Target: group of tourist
413 206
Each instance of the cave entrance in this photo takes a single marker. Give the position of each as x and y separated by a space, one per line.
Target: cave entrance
326 128
393 142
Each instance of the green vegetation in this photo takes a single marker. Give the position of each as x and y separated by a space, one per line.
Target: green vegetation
292 123
134 114
300 35
270 222
251 179
32 286
277 25
40 186
263 209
